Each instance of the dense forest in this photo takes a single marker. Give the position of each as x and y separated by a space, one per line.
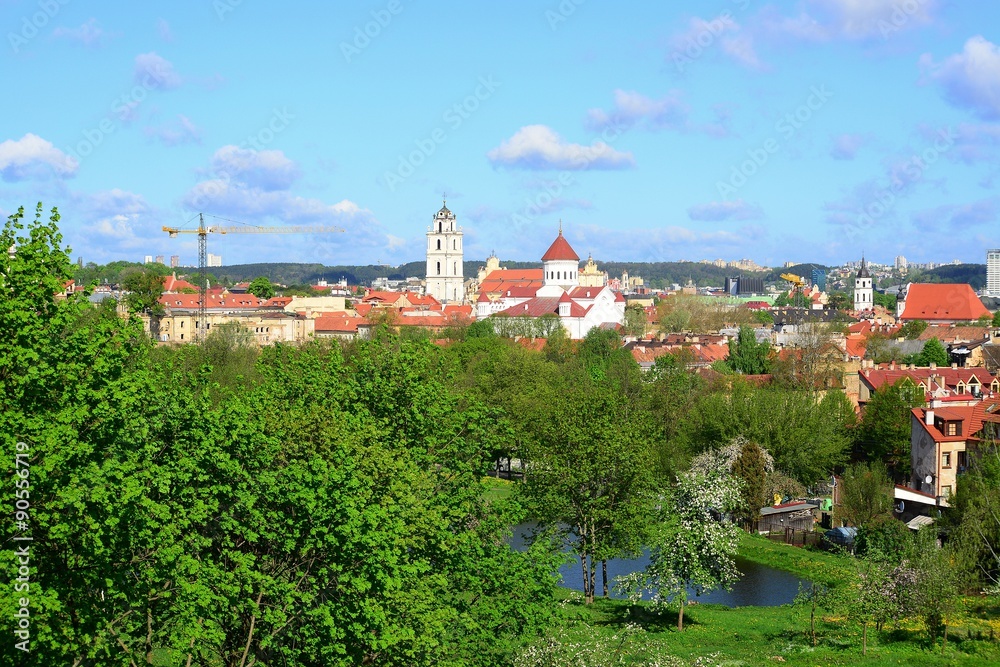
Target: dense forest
342 503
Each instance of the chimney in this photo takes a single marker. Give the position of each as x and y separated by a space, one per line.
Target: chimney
933 366
892 365
929 417
954 365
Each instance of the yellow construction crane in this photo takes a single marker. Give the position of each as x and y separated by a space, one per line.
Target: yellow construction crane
203 233
798 281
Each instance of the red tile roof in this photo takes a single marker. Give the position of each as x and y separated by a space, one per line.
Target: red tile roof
502 280
560 250
946 301
174 284
339 323
542 306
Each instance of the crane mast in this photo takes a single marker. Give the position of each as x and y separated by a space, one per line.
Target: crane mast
203 232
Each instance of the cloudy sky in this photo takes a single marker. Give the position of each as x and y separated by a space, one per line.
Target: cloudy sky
807 130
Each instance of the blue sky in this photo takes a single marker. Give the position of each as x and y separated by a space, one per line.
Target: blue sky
804 130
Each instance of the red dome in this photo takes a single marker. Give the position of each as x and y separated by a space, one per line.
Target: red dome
560 250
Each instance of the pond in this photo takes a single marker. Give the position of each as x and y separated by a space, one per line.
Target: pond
759 585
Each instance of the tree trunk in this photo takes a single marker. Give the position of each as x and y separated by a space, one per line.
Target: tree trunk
812 619
680 615
864 638
593 565
604 576
586 579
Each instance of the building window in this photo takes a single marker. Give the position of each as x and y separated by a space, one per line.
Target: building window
182 324
963 461
946 491
439 268
454 244
439 227
945 459
182 336
454 268
952 428
439 244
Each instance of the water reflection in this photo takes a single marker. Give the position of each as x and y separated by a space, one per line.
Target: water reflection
759 585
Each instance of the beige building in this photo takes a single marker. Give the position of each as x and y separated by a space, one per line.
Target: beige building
591 276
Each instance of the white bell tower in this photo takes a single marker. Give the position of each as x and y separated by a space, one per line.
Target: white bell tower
864 292
445 280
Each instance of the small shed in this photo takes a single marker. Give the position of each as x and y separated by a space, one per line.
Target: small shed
798 515
844 536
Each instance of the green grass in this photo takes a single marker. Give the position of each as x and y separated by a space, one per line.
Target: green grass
718 635
497 489
807 563
629 634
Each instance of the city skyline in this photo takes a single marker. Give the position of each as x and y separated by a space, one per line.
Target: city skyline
734 130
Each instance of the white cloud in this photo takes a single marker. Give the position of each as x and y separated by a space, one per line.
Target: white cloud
253 186
176 133
631 108
846 146
163 30
32 157
703 35
89 34
718 211
849 20
267 170
155 72
970 79
539 147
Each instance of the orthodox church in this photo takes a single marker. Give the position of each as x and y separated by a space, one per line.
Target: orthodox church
554 289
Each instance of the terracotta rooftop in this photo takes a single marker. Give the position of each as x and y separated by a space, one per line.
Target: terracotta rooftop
945 301
560 250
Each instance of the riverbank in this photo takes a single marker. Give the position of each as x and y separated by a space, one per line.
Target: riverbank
811 564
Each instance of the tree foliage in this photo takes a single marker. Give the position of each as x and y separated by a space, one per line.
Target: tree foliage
694 545
747 355
865 494
144 289
884 431
933 353
261 287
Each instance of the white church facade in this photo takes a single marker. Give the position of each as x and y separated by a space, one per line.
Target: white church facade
580 308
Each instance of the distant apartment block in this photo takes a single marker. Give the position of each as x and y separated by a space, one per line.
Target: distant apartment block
148 259
159 259
993 272
175 261
901 263
214 260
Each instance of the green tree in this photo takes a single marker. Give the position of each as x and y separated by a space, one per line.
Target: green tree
912 329
884 432
751 468
591 471
635 321
865 494
807 439
144 291
839 301
747 356
261 287
692 548
933 352
996 319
